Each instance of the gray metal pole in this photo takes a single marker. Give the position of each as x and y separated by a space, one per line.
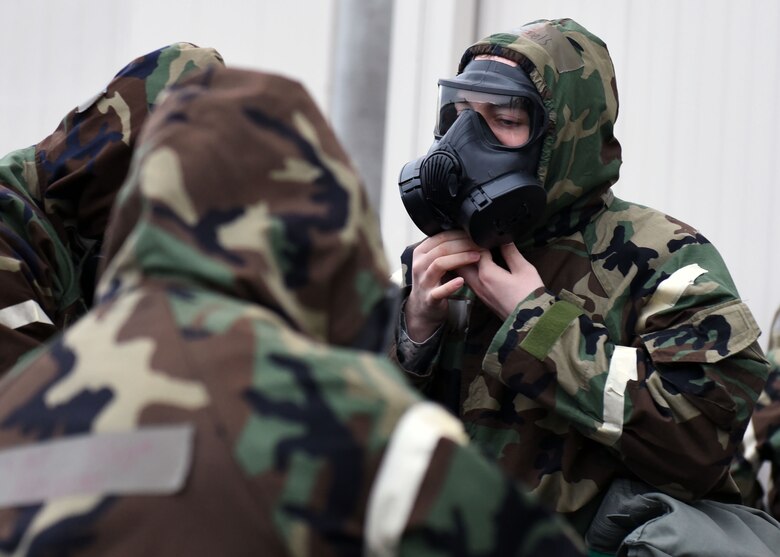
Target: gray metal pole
359 92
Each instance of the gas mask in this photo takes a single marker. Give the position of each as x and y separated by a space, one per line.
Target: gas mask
480 173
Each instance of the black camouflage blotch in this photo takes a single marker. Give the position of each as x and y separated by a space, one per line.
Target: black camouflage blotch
722 329
697 336
75 150
577 46
142 67
206 229
531 390
35 417
550 458
297 226
68 535
685 379
325 437
510 342
13 200
677 244
110 291
506 413
623 254
591 333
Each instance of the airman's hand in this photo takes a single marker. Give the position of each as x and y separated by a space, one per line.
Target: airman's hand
426 307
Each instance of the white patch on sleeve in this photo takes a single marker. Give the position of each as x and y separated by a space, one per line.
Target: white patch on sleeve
152 460
25 313
750 445
622 369
669 292
404 465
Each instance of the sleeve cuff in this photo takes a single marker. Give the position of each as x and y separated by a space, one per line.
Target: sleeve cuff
416 357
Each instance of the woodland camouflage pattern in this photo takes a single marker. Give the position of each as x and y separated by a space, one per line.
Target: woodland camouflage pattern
761 443
55 198
638 359
243 262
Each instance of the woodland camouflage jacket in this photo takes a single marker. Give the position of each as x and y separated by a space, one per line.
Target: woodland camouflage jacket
761 444
210 403
55 197
638 358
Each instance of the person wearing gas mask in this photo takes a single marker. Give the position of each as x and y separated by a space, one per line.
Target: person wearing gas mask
581 338
229 392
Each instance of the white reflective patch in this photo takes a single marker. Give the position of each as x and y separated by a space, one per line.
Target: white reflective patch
397 277
669 291
401 472
148 461
622 369
25 313
750 445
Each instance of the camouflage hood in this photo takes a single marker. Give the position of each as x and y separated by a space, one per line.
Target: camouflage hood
83 163
235 188
573 72
56 195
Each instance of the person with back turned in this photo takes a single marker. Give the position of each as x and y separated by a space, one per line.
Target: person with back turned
55 197
229 392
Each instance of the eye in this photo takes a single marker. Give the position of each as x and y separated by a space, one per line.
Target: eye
510 118
508 122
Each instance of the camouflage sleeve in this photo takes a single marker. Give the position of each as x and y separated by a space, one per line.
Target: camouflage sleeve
766 434
761 448
415 357
420 504
39 292
673 397
761 444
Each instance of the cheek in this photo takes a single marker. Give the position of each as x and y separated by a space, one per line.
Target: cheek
524 135
512 138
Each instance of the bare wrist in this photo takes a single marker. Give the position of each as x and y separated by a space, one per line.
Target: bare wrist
420 330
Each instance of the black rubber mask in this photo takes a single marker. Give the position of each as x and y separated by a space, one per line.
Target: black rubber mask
470 178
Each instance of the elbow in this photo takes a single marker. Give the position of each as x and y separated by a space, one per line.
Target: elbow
687 465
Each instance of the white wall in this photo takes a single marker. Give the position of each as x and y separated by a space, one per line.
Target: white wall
57 53
699 86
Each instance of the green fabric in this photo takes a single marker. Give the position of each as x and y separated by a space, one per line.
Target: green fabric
549 328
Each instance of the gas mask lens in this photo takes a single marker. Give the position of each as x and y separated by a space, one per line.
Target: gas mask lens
509 117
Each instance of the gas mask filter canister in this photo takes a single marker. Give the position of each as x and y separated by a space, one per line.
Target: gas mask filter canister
479 174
